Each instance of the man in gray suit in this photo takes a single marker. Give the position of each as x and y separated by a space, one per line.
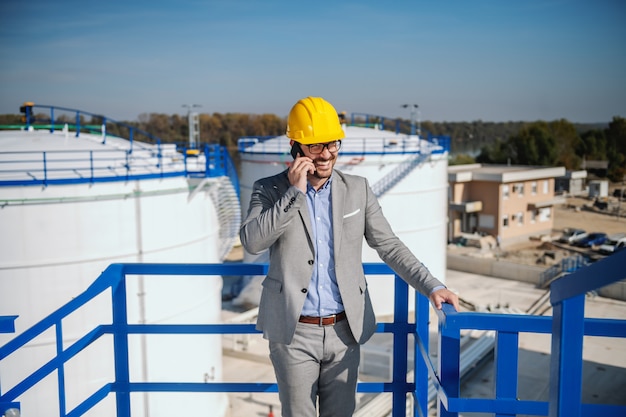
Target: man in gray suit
315 309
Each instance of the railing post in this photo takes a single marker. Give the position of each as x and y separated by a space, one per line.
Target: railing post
60 369
449 365
51 119
7 325
506 359
160 157
400 348
568 321
120 343
77 123
131 131
422 305
91 168
45 170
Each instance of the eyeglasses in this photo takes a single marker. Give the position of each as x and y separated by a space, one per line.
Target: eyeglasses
318 148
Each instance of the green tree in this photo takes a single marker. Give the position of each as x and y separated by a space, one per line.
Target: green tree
616 149
592 145
566 140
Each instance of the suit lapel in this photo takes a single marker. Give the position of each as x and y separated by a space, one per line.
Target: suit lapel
338 195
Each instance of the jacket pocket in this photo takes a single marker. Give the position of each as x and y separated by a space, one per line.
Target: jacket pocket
355 212
272 285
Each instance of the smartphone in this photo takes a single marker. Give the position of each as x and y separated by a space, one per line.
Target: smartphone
296 149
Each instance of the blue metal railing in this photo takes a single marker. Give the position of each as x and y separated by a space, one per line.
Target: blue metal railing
352 146
79 123
566 266
568 326
105 165
356 147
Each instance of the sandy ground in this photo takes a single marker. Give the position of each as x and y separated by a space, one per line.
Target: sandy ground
579 212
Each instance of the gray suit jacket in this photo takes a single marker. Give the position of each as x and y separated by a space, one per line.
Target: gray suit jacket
278 219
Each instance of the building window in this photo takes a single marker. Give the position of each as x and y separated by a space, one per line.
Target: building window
519 189
505 191
533 216
545 186
520 218
533 187
505 221
544 214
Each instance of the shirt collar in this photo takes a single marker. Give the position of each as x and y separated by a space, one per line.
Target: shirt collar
309 187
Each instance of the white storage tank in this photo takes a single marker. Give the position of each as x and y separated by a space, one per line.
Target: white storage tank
58 238
408 173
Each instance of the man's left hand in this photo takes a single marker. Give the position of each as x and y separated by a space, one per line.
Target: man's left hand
444 295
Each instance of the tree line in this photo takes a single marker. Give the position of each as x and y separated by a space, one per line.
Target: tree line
555 143
558 143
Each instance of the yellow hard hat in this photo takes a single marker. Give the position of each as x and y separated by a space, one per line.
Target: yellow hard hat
313 120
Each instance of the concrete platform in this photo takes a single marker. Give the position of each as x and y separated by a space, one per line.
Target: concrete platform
604 369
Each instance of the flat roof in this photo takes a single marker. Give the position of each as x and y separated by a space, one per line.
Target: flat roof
502 173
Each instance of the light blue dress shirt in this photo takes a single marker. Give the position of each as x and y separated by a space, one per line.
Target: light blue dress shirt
323 298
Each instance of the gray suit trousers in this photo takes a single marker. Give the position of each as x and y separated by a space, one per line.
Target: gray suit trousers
322 363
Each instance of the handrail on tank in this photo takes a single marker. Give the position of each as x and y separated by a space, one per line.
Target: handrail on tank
393 145
92 166
30 120
441 143
567 328
218 160
110 165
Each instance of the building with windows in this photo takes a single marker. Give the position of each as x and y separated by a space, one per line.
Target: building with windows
572 183
509 202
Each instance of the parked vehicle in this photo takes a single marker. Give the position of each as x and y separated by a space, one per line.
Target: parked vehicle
572 235
613 244
592 239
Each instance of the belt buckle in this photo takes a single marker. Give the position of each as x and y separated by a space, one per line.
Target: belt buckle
332 316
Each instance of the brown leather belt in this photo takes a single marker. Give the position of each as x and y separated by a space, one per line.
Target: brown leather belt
323 321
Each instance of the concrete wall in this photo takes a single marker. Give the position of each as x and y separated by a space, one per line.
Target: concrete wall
495 268
525 273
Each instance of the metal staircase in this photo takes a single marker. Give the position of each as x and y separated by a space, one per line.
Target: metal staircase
433 146
226 202
398 174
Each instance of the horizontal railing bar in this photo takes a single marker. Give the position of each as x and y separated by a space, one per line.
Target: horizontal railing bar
604 410
270 387
194 269
117 178
491 321
510 406
240 328
230 328
605 327
202 387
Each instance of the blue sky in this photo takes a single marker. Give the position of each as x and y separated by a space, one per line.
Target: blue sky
490 60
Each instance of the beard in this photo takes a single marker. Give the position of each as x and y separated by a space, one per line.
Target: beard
326 167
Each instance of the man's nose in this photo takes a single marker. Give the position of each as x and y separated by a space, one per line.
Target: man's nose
326 152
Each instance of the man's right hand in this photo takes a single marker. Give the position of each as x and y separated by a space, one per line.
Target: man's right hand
298 171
